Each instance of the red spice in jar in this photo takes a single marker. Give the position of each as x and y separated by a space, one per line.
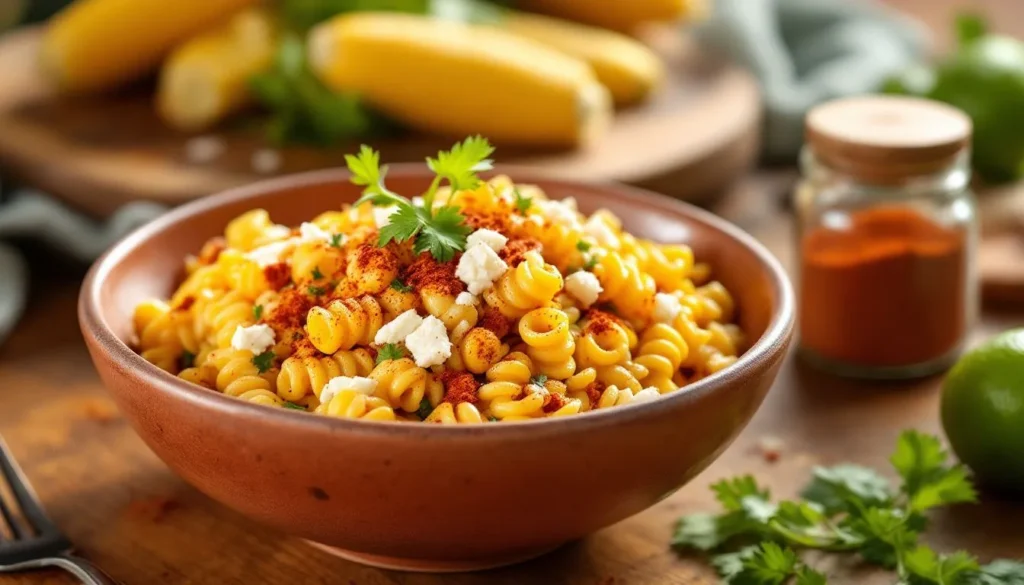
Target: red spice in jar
888 291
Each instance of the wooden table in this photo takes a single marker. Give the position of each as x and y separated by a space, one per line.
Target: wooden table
127 512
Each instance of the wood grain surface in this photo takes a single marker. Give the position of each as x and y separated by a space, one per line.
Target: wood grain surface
128 513
697 134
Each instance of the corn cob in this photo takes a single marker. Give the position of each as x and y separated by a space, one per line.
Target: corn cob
95 45
453 78
627 68
206 79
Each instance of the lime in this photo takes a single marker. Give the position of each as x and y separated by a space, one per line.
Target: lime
983 411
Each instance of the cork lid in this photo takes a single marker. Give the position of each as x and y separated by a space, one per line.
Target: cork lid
887 138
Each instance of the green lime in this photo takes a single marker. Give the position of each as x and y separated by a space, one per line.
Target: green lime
983 411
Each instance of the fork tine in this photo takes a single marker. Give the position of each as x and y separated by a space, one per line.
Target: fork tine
31 509
17 531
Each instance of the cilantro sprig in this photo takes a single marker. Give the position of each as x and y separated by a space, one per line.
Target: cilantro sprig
523 203
390 351
400 286
440 231
844 509
264 361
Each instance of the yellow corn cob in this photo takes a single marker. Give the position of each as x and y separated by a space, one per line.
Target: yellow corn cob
621 15
453 78
94 45
627 68
206 79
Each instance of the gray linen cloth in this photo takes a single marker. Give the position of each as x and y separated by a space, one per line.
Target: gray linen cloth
802 51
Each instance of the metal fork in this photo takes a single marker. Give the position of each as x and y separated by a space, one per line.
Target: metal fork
36 543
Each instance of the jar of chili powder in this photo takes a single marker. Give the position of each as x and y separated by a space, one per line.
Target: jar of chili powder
887 237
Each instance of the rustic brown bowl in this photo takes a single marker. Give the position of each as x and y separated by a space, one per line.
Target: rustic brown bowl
421 497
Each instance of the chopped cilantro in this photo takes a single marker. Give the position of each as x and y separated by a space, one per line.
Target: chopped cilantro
539 380
583 245
294 406
400 286
264 361
493 419
257 312
590 263
425 409
187 360
336 240
316 291
523 204
316 274
390 351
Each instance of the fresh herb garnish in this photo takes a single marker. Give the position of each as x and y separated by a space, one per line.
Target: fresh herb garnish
425 409
400 286
390 351
264 361
187 359
316 291
336 240
493 419
523 204
539 380
257 312
583 246
440 231
316 274
294 406
590 263
845 509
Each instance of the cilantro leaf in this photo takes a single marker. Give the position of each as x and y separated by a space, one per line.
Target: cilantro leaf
444 234
460 165
316 274
390 351
187 360
1000 572
523 204
927 480
772 564
367 172
583 246
264 361
293 406
336 240
730 565
926 564
590 263
840 487
316 291
257 312
538 380
425 409
808 576
730 492
400 286
493 419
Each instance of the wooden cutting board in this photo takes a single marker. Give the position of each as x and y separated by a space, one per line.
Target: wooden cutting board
699 132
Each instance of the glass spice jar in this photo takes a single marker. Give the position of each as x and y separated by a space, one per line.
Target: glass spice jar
887 237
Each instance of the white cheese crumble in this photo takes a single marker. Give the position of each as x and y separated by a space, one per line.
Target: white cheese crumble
666 308
399 328
646 395
266 161
382 215
466 299
560 212
277 232
479 267
365 386
254 338
271 253
584 286
602 233
310 232
429 344
486 237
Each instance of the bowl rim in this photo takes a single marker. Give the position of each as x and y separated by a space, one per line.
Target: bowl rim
773 341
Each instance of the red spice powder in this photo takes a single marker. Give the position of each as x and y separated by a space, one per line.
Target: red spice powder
277 275
303 348
554 402
290 311
491 220
459 387
594 391
599 322
211 250
515 250
495 322
430 275
369 257
186 303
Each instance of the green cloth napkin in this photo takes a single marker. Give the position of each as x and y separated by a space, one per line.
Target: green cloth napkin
805 52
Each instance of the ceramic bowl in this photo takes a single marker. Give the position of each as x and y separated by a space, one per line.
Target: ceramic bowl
423 497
